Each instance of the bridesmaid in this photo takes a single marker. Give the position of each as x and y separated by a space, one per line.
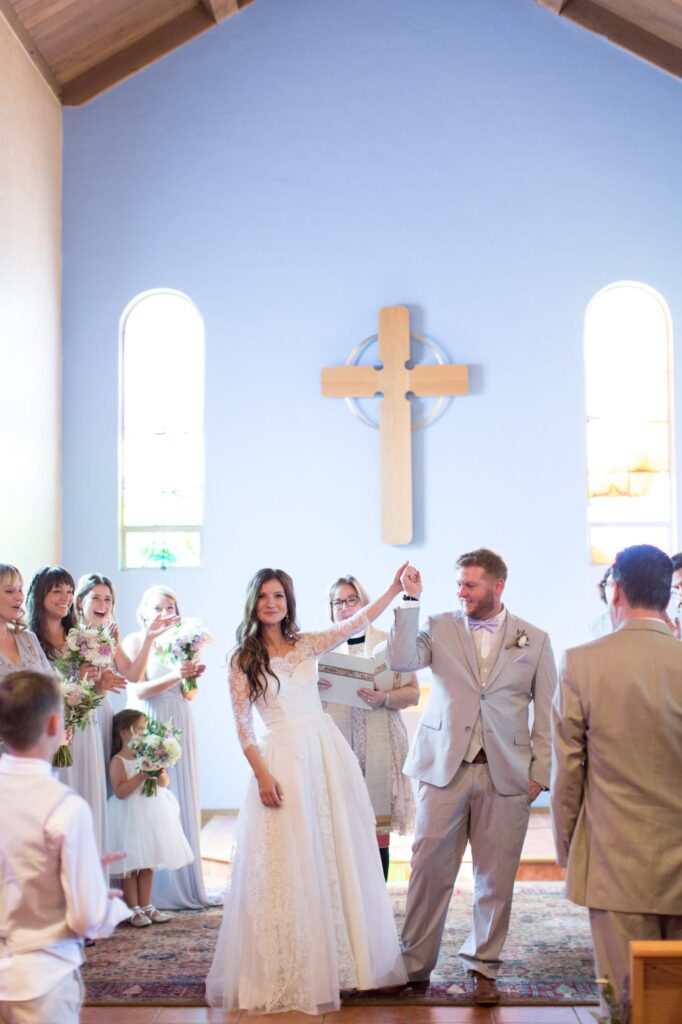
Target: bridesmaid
19 648
161 696
95 601
52 614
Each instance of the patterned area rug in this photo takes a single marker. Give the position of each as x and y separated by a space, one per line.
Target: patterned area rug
547 958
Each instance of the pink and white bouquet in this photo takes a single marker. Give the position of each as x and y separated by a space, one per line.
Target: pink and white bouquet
183 643
80 699
155 749
86 645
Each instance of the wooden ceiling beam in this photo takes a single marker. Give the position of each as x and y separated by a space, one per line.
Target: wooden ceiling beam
15 23
138 55
619 30
221 9
554 5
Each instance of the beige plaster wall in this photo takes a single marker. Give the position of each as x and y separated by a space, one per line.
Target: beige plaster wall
30 272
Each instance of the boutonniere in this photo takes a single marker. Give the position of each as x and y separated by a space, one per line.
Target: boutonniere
520 640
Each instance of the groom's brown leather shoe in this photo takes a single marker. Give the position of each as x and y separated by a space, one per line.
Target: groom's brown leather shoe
484 991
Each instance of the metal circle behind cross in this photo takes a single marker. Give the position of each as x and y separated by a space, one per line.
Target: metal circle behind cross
354 359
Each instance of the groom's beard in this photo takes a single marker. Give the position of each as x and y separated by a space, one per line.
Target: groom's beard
485 607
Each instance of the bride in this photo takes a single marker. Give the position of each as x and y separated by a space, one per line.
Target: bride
307 914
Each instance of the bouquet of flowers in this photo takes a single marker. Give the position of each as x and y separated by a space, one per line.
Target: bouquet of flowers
86 645
155 748
80 698
183 643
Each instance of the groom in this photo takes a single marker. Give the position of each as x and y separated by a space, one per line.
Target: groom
478 764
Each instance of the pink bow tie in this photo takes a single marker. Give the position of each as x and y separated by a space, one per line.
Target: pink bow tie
489 624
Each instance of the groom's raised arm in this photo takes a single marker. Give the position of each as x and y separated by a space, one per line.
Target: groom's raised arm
408 647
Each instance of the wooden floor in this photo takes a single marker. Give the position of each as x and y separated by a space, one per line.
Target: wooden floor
537 859
349 1015
537 862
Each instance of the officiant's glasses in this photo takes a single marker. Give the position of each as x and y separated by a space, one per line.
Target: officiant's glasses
350 602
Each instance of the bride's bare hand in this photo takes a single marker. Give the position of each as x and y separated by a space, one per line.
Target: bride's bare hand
396 583
270 790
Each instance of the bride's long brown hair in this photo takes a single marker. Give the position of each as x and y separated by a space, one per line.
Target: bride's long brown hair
252 655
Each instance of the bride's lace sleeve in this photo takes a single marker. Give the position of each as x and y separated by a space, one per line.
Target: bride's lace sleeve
328 639
242 707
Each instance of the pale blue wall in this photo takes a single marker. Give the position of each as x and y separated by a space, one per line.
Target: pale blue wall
300 166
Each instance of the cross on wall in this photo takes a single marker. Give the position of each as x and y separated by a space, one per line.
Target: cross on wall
394 380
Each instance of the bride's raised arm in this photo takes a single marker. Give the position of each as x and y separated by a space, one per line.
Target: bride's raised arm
327 639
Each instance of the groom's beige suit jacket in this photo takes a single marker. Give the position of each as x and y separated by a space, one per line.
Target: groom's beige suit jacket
617 770
522 675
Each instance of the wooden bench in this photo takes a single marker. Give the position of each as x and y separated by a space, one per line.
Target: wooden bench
656 982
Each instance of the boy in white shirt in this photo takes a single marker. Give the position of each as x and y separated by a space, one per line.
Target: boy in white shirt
52 888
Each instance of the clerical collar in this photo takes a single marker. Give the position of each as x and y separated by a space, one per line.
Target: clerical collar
355 640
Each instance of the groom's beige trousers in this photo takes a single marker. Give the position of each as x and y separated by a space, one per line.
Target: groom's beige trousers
468 808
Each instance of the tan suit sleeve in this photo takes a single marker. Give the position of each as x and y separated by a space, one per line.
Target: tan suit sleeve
569 750
544 685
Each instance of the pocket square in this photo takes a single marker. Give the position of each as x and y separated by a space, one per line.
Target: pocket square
523 659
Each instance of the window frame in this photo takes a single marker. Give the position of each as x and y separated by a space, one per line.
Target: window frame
124 530
670 525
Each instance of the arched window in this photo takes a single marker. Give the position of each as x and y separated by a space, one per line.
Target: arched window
628 374
161 453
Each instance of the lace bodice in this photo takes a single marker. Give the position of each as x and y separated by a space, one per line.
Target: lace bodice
298 696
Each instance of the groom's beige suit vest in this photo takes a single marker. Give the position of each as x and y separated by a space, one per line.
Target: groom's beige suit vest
485 667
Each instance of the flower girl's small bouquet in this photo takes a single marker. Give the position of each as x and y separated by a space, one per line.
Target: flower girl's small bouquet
80 698
155 748
183 643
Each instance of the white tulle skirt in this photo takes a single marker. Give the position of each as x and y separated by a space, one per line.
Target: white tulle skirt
306 913
148 829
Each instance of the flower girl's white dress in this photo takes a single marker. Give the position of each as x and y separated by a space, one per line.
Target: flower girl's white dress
147 828
307 913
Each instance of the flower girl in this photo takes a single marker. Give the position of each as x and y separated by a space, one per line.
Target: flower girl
147 828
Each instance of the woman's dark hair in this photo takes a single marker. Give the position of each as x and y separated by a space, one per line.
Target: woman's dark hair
123 720
42 583
252 655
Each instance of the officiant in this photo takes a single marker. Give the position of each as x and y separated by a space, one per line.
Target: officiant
376 732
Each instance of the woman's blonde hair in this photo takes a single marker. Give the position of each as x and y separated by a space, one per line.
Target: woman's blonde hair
162 591
8 574
353 582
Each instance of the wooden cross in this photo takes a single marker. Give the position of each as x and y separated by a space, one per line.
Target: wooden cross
394 380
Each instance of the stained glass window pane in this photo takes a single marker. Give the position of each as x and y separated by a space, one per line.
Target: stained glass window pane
628 340
162 431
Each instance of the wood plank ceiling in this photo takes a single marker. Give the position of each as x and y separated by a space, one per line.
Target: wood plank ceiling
651 29
83 47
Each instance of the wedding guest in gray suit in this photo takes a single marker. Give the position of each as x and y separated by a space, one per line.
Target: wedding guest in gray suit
478 763
616 792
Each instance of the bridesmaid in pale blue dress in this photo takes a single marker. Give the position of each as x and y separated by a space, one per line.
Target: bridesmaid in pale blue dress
161 696
19 648
51 615
95 600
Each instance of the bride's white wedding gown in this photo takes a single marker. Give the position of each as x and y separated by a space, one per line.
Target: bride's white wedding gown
306 914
